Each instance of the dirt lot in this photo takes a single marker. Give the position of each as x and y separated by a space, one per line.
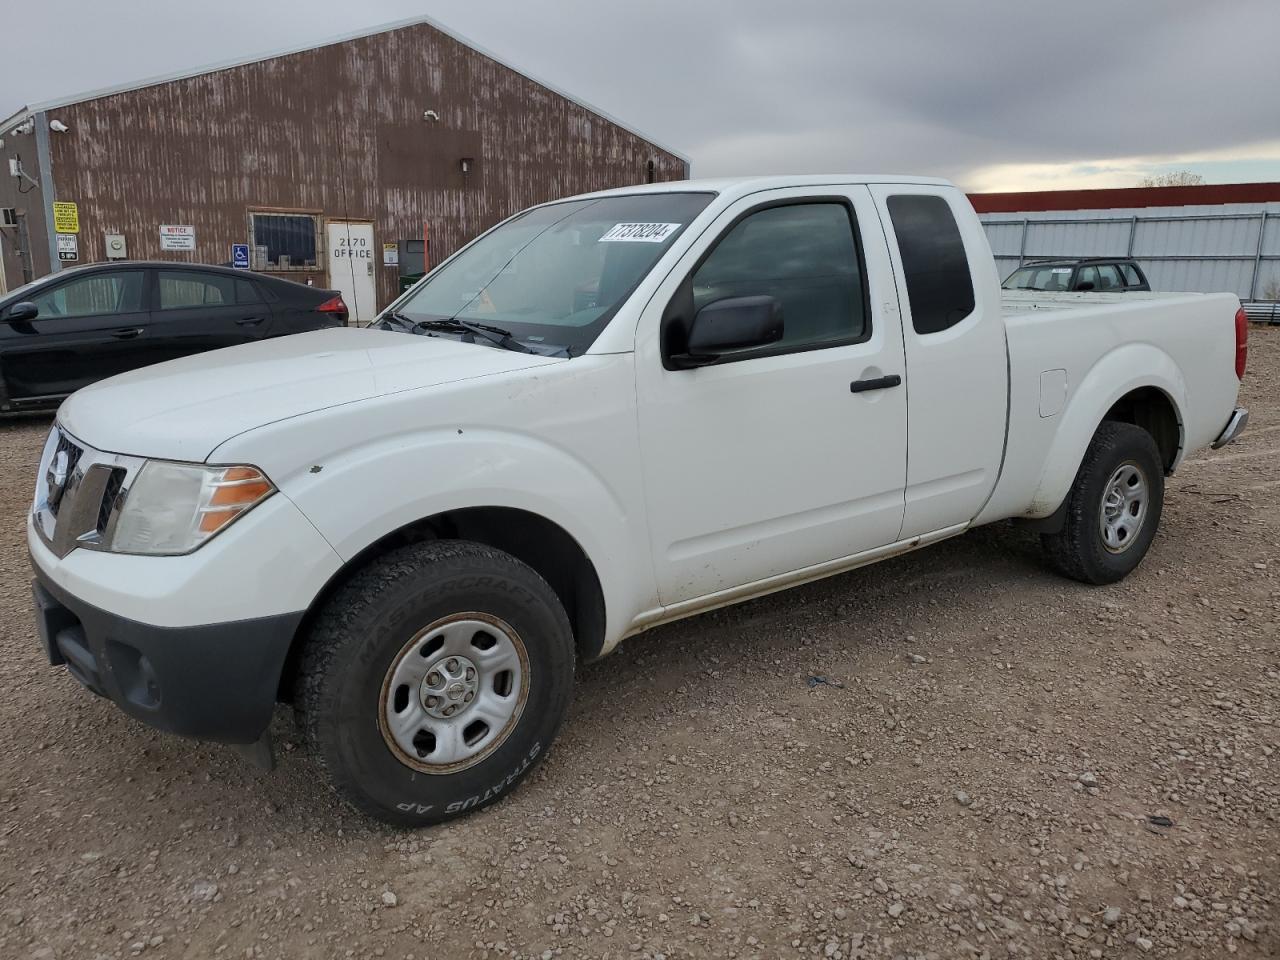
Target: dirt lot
981 775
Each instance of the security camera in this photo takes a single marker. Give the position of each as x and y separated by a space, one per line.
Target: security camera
57 126
430 115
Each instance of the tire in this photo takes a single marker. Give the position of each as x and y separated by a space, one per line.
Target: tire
410 626
1099 543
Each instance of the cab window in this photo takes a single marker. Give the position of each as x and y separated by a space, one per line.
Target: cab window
803 255
934 262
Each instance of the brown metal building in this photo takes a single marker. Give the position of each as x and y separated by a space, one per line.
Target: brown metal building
335 165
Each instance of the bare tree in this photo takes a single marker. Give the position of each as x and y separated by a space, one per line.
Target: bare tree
1176 178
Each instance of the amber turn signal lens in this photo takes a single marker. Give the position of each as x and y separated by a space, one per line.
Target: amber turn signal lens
215 521
239 493
238 489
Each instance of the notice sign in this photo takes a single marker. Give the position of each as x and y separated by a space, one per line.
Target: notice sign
240 256
639 232
174 236
391 255
66 217
68 248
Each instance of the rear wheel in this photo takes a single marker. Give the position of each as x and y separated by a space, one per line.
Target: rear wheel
1113 508
435 680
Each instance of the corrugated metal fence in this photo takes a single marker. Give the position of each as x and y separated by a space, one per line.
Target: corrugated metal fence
1206 252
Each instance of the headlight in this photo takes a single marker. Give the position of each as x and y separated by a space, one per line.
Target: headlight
174 507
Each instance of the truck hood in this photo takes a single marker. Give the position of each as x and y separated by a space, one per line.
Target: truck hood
183 409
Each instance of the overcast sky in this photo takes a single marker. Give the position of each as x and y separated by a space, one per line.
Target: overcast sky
997 96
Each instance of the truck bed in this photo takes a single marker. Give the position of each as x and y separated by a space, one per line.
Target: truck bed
1023 301
1071 355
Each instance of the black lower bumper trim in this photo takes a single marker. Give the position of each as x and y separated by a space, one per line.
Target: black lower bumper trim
213 682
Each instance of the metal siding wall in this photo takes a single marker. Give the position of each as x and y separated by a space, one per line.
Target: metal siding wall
1206 255
337 130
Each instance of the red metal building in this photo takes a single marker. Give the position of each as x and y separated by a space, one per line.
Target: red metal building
329 163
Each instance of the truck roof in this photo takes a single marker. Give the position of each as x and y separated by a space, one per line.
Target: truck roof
744 185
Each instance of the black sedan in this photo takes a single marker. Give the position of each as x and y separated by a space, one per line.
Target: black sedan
69 329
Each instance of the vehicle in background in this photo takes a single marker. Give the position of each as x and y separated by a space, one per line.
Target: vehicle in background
605 414
75 327
1093 275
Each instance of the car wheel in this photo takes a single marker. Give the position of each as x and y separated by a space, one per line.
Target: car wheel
1113 507
434 680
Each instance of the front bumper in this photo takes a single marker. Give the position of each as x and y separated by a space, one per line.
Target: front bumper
1235 426
215 681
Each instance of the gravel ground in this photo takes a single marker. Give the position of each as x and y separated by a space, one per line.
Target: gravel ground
997 763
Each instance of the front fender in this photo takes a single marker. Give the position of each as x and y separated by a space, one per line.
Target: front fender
374 489
1127 368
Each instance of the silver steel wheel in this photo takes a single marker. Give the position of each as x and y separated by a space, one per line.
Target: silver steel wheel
1124 507
454 692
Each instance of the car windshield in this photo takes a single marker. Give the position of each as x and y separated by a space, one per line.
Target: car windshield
1043 277
553 276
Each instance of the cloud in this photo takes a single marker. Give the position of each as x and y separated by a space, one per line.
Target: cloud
994 95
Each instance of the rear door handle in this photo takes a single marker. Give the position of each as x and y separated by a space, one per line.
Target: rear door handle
250 321
126 333
875 383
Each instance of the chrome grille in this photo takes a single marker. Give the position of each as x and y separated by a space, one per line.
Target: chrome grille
79 492
71 452
110 495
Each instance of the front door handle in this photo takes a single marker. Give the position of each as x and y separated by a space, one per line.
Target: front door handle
250 321
126 333
875 383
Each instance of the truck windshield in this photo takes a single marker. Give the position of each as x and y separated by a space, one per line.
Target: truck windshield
1039 278
555 275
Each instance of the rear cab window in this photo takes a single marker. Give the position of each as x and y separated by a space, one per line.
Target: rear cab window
935 264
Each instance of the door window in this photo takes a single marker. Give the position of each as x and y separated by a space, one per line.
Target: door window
180 289
1087 275
803 255
934 263
97 293
1109 277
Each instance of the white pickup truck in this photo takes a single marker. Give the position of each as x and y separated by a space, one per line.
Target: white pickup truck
604 414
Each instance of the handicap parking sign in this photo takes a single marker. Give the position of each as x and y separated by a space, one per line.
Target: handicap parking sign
240 256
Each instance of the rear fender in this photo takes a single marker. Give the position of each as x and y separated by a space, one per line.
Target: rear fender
1125 369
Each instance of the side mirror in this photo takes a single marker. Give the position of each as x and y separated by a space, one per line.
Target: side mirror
1084 286
731 326
26 310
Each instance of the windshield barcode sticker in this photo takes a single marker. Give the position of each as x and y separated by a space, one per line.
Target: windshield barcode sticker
639 232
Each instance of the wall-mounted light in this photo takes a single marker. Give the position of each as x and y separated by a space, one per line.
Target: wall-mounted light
430 115
57 126
466 164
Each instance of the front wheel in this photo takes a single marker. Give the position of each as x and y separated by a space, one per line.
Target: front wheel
1113 508
435 680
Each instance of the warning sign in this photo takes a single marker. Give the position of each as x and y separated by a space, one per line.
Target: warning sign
177 236
68 248
391 254
66 217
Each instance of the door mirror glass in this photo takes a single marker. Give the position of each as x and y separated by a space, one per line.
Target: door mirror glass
731 326
26 310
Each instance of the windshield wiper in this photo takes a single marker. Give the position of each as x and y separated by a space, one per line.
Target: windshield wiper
495 335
